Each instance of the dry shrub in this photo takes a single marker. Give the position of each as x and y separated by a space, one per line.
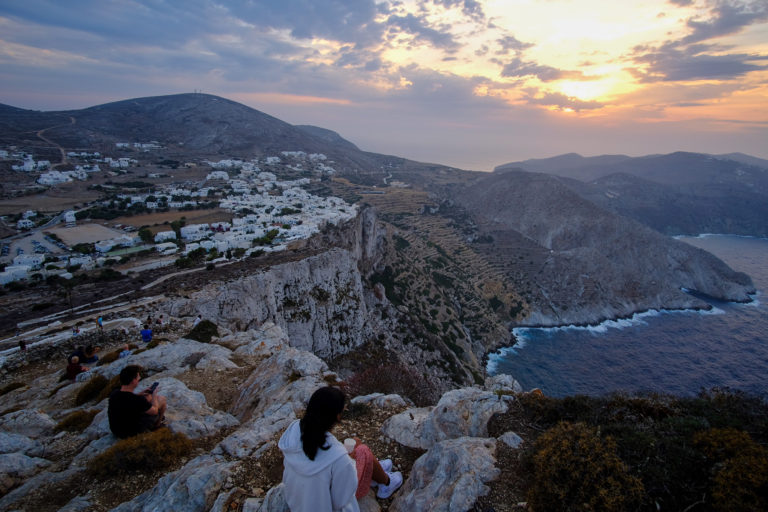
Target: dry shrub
91 389
11 409
144 452
113 384
76 421
10 387
575 469
393 378
741 482
719 444
110 357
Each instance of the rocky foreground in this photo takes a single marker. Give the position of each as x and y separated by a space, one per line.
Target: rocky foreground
233 398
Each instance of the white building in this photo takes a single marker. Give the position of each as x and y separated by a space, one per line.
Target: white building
164 236
53 178
167 247
31 260
194 231
25 224
14 273
217 175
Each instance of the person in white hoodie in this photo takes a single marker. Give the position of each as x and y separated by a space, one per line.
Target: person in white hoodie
320 475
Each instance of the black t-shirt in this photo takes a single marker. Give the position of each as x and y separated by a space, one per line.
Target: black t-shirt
125 413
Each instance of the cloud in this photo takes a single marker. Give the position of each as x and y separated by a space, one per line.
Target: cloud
470 8
419 28
726 19
562 101
670 63
681 3
510 43
517 68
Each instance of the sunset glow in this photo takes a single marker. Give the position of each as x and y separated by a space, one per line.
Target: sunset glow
499 64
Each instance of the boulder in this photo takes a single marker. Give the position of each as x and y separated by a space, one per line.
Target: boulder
503 382
188 411
449 477
193 488
254 436
260 341
289 375
37 481
460 412
274 501
18 466
170 359
17 443
380 401
511 439
27 422
406 427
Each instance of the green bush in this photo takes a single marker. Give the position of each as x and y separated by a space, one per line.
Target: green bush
144 452
76 421
91 389
203 332
575 469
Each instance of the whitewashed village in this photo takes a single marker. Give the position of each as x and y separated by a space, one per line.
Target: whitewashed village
267 214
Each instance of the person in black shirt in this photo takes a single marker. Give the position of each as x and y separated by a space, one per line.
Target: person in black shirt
130 413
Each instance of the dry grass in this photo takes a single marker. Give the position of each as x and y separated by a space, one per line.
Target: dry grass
192 217
149 451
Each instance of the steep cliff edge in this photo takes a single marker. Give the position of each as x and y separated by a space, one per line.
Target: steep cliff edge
577 263
319 301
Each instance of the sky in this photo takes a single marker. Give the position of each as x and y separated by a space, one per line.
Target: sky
467 83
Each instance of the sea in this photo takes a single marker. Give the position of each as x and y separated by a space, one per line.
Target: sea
678 352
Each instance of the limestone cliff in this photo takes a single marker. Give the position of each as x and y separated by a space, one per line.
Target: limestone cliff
320 301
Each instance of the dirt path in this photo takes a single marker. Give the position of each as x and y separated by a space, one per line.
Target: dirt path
42 137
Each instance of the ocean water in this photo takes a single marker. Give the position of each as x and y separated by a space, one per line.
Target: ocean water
672 352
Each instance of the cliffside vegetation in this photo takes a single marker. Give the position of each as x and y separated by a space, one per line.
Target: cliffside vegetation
642 452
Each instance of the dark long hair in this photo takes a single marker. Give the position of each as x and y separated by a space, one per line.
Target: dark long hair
322 413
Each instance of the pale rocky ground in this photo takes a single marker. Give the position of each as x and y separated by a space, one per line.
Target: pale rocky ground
234 398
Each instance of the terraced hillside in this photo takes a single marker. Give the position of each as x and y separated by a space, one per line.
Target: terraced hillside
454 302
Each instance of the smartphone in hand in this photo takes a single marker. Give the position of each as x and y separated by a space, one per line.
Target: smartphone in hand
153 387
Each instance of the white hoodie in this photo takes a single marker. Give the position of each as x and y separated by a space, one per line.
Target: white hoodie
327 483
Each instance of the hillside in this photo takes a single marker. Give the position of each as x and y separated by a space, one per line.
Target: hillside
678 193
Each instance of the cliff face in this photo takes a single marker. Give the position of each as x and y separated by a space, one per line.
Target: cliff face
582 264
319 301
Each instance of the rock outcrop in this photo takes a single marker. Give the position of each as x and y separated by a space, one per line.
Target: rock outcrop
451 475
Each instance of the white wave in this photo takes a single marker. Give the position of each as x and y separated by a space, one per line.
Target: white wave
503 353
637 319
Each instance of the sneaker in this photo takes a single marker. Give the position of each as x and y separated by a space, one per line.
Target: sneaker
395 481
386 465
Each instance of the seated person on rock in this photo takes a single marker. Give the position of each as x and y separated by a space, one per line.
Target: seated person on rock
130 413
90 356
320 474
74 368
146 334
